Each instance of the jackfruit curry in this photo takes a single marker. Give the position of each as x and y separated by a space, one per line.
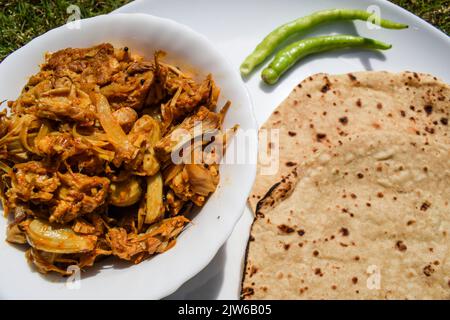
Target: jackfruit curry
86 156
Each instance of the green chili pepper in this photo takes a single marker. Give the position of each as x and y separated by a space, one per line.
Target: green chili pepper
280 34
289 55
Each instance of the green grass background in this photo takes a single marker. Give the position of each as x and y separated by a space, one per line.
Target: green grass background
21 21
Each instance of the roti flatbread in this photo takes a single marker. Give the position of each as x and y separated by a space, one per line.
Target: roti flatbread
324 109
368 219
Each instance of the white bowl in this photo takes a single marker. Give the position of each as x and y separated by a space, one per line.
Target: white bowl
197 245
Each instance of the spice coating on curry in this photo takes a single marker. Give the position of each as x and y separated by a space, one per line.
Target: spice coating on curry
86 156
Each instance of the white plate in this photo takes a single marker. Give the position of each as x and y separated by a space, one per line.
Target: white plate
236 26
197 245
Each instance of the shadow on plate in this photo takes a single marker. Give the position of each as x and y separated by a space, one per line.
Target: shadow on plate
206 284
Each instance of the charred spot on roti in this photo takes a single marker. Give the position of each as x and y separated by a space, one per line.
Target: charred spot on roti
286 246
343 120
444 121
291 164
352 77
428 270
403 113
425 205
320 136
315 253
318 272
301 232
428 109
344 232
429 130
326 87
376 125
360 175
303 290
355 280
253 270
285 229
400 245
292 133
358 103
247 292
379 106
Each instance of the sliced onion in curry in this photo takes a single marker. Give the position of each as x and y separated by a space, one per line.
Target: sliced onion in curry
56 239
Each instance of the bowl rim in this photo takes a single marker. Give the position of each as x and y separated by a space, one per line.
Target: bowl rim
196 265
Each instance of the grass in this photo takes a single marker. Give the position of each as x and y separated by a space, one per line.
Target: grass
21 21
436 12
